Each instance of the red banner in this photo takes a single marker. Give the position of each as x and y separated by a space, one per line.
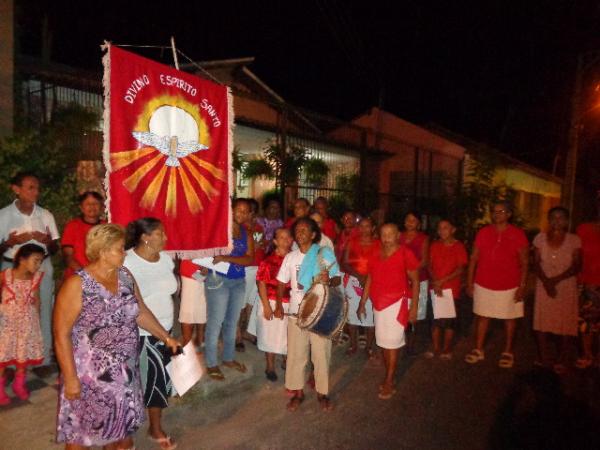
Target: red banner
167 150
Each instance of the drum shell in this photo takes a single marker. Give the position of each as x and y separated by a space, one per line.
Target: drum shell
332 315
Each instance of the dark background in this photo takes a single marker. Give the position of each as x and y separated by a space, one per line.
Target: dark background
497 71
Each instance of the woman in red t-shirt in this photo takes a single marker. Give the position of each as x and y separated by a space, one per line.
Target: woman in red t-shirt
393 286
496 280
447 261
271 319
330 227
355 266
418 243
73 239
589 277
349 231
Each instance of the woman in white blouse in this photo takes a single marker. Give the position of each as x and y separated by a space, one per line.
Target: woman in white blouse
153 271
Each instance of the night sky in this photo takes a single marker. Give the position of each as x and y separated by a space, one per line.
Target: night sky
497 71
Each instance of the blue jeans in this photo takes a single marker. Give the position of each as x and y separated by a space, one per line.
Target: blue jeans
224 302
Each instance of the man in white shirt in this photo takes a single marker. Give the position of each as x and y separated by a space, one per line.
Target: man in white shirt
301 343
22 222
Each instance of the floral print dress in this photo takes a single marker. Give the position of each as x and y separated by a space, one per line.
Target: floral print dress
105 348
21 342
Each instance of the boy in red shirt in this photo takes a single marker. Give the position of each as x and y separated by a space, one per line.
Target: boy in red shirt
447 261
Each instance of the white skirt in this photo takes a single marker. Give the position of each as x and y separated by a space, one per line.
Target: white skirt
389 333
193 301
251 292
271 335
251 328
353 292
496 304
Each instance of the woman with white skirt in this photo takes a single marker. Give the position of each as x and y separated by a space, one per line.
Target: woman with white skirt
271 318
192 310
497 279
355 265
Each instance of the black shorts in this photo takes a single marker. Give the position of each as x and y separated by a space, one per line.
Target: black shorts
156 383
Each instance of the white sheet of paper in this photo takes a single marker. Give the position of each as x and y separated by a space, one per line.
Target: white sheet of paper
207 262
185 370
443 307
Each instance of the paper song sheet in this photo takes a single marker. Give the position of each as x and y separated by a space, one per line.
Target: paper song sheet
207 262
443 306
185 369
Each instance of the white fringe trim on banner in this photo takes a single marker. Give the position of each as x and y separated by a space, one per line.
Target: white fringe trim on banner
193 254
106 129
230 145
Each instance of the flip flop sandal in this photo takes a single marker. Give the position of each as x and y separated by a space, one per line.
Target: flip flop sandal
164 443
295 403
215 373
584 363
559 369
446 356
236 365
325 403
386 393
351 351
240 347
343 339
507 360
382 387
474 356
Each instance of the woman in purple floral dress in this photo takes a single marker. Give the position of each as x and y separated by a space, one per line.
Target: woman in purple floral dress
96 321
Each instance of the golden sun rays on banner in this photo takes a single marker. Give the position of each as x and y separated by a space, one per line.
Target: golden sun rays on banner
171 135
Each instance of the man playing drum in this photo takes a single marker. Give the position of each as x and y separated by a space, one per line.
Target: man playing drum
393 286
302 268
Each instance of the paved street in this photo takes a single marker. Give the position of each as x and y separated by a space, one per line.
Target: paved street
441 405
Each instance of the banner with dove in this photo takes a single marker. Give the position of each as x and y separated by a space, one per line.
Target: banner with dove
167 149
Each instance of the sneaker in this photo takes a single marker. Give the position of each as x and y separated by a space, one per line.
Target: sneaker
271 375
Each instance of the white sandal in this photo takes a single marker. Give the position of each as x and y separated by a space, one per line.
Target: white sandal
474 356
507 360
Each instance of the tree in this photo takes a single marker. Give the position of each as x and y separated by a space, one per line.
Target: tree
470 208
286 167
51 152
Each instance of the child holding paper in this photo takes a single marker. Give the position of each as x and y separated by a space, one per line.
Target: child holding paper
447 261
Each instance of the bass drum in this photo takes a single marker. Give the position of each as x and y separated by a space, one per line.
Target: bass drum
323 310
